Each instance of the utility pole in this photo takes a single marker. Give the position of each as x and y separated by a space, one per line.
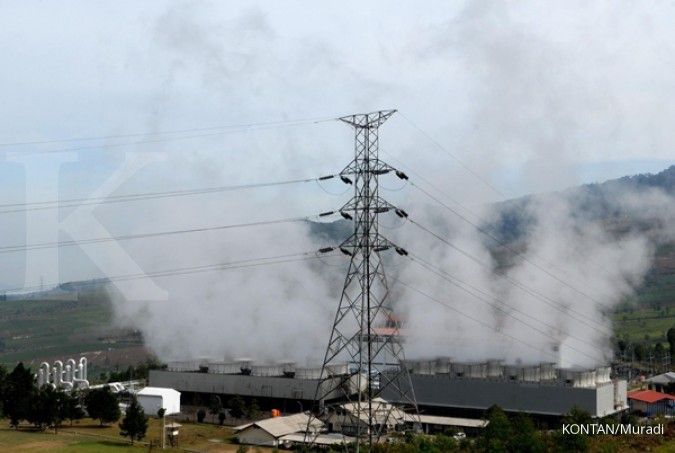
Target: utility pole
375 361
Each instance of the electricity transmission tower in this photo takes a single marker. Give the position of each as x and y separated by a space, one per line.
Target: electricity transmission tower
365 332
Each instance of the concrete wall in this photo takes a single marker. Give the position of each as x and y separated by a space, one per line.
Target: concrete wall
235 384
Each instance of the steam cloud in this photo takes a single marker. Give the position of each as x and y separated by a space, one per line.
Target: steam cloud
520 91
284 312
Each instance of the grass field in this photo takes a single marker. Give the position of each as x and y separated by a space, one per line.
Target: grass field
647 316
644 324
88 436
36 330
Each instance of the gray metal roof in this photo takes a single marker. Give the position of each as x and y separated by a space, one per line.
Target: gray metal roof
281 426
663 379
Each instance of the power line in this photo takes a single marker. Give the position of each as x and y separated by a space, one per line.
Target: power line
458 283
455 158
513 281
503 244
75 202
419 176
58 244
220 130
481 229
240 264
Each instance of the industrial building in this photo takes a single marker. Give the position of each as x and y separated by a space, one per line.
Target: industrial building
651 403
282 386
442 387
662 383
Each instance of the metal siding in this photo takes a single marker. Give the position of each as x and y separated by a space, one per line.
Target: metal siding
150 403
430 390
235 384
541 398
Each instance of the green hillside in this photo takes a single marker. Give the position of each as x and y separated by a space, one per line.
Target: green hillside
33 330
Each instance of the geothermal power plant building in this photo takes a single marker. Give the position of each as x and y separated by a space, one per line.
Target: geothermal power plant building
440 386
538 389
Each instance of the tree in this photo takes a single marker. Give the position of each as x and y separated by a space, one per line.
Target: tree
135 423
574 442
70 408
236 407
19 393
496 435
639 350
3 388
622 344
102 405
43 407
525 438
215 406
670 336
201 414
253 411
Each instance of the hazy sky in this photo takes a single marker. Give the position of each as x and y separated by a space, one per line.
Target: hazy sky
533 96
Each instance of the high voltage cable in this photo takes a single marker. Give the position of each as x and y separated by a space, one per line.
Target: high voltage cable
484 324
503 244
513 281
219 131
480 229
478 218
45 245
458 283
240 264
75 202
455 158
429 183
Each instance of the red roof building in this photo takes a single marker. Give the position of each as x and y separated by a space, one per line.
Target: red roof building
650 402
649 396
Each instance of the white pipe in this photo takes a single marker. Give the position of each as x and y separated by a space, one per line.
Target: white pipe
80 383
41 377
72 365
83 362
47 373
58 373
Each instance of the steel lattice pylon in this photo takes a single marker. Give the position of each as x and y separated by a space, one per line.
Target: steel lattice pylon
375 359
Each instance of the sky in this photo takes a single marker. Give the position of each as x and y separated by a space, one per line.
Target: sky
514 89
495 100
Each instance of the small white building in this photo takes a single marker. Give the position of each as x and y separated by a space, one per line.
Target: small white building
152 399
269 432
